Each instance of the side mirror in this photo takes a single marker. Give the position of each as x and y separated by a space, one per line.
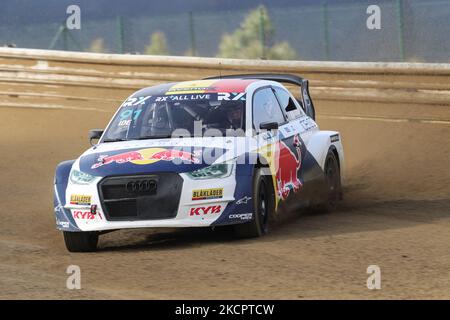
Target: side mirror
95 134
269 126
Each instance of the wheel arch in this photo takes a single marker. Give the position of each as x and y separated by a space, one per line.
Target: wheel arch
64 219
271 181
321 143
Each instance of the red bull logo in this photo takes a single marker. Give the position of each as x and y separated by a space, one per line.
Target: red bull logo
289 164
148 156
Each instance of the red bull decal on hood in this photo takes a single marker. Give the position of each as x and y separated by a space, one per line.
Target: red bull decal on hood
148 156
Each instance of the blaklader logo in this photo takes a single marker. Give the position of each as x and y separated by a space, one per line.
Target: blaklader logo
80 199
204 194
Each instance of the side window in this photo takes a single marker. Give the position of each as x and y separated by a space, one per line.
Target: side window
266 108
287 104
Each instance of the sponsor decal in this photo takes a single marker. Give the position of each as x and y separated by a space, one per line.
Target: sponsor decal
308 124
147 156
229 89
204 194
85 215
205 210
241 216
233 96
131 102
243 200
334 138
184 97
80 199
200 86
175 97
125 116
124 123
289 164
267 135
62 224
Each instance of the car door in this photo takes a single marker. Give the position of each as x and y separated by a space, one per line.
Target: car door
304 126
299 121
282 147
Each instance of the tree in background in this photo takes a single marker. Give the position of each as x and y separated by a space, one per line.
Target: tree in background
250 40
97 45
158 44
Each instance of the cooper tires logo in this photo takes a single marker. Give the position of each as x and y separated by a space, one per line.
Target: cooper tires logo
241 216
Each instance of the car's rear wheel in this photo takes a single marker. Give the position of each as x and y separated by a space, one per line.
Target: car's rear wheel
263 207
81 241
332 187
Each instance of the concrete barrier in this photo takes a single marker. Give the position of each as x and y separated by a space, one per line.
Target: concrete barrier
43 75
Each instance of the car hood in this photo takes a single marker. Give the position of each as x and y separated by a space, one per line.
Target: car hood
158 155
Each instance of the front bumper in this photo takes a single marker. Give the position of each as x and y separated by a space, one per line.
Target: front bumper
187 212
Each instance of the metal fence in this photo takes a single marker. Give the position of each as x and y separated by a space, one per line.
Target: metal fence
411 30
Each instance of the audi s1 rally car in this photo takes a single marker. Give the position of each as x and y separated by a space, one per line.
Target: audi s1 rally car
227 151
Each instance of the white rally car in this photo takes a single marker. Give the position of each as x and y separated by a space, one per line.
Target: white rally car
234 150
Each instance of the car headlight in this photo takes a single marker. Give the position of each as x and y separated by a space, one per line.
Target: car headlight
221 170
78 177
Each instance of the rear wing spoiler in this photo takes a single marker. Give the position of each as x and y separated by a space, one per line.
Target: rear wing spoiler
305 98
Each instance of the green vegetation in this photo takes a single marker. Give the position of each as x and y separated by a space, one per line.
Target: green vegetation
158 44
251 39
97 45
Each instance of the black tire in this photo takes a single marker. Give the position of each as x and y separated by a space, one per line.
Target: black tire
81 241
332 187
263 204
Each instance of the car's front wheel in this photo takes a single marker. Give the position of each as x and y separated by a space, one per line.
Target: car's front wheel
81 241
262 203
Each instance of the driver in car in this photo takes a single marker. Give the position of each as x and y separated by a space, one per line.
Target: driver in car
234 116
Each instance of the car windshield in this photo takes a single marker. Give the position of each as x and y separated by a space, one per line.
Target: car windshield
151 117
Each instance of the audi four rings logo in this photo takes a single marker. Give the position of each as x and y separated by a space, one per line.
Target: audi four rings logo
145 185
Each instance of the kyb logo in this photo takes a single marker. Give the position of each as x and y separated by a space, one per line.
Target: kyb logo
73 21
83 215
374 280
74 279
205 210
